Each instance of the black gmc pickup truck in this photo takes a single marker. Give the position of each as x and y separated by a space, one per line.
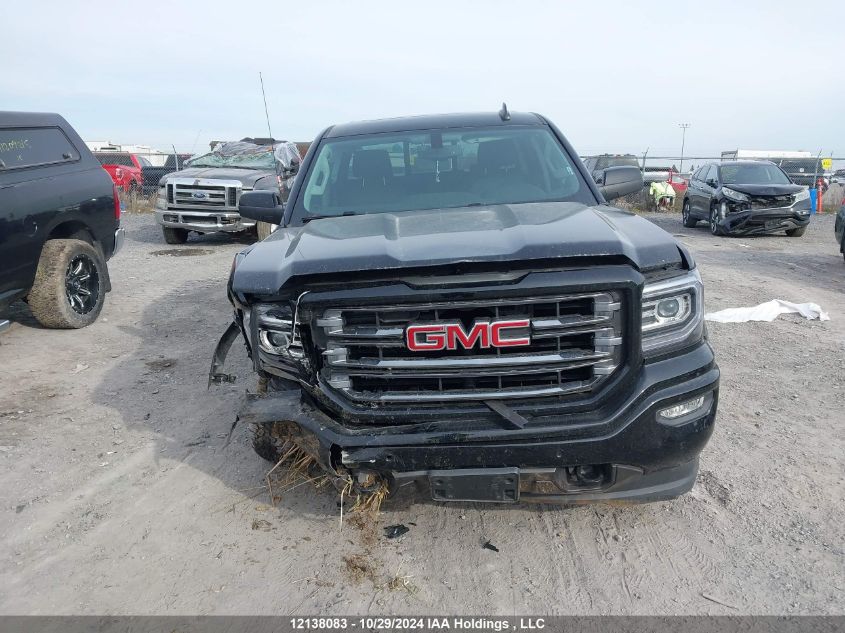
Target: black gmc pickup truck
450 303
59 221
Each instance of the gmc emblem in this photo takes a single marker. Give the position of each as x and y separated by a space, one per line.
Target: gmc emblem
433 338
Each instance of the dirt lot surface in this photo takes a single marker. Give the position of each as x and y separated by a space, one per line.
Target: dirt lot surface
121 496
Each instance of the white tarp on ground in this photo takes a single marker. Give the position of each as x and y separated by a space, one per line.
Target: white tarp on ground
768 311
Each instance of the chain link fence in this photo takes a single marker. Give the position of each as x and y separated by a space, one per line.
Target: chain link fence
136 170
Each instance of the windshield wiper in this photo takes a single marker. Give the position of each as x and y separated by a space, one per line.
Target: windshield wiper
306 219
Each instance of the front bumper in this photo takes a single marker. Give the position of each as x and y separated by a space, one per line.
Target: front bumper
640 457
762 221
203 221
119 239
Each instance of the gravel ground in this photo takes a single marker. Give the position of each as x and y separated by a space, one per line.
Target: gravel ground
121 495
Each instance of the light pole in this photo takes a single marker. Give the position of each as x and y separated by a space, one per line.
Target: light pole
683 127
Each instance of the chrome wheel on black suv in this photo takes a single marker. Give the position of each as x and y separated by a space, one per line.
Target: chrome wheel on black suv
82 284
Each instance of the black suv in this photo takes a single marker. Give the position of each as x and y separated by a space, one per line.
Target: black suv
59 221
450 303
746 197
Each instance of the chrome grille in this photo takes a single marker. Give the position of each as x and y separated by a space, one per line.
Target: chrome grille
204 194
576 343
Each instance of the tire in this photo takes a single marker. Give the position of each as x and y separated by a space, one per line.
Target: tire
797 232
686 216
263 229
174 236
69 288
267 445
715 229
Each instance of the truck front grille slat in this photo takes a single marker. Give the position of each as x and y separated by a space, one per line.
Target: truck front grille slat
425 367
575 344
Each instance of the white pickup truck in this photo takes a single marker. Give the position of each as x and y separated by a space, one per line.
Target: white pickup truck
204 197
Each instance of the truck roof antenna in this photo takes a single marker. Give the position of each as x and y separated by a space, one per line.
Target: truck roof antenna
504 115
266 112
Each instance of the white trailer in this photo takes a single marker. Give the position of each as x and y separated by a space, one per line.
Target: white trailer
763 154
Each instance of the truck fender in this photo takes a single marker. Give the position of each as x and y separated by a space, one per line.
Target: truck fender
215 374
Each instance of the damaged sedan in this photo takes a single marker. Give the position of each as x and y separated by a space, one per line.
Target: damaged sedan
450 305
746 197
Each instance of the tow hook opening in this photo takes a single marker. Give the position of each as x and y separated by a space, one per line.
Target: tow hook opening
586 477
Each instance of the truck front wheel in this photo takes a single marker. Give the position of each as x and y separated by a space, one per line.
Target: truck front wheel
68 291
174 236
268 445
263 229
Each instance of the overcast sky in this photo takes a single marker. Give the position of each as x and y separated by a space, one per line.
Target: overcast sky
614 76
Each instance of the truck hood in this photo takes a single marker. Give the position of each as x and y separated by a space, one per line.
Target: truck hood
248 177
767 190
500 233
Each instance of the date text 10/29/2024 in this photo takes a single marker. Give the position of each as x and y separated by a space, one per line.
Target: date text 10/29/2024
417 624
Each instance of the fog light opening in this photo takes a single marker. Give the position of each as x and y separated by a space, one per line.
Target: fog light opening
573 479
589 474
682 409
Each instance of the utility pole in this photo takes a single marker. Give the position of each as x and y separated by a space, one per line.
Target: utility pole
683 127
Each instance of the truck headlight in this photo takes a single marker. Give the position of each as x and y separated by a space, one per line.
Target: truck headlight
161 198
735 195
672 313
804 194
275 330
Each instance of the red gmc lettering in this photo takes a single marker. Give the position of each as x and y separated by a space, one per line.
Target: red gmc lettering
497 328
451 336
455 334
434 338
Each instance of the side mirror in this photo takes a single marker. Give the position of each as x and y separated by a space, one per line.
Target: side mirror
712 183
620 181
262 206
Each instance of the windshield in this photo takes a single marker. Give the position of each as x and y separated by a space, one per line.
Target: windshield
753 174
619 161
245 155
447 168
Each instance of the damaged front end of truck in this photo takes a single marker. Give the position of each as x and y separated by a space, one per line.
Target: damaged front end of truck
536 381
449 305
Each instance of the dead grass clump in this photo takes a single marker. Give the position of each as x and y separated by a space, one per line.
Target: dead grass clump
367 504
358 568
402 583
370 502
302 468
135 202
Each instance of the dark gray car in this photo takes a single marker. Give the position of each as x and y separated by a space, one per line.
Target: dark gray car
746 197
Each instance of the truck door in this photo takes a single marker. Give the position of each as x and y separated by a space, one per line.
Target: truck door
31 159
709 184
693 190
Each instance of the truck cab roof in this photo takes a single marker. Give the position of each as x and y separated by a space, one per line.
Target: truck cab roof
432 121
